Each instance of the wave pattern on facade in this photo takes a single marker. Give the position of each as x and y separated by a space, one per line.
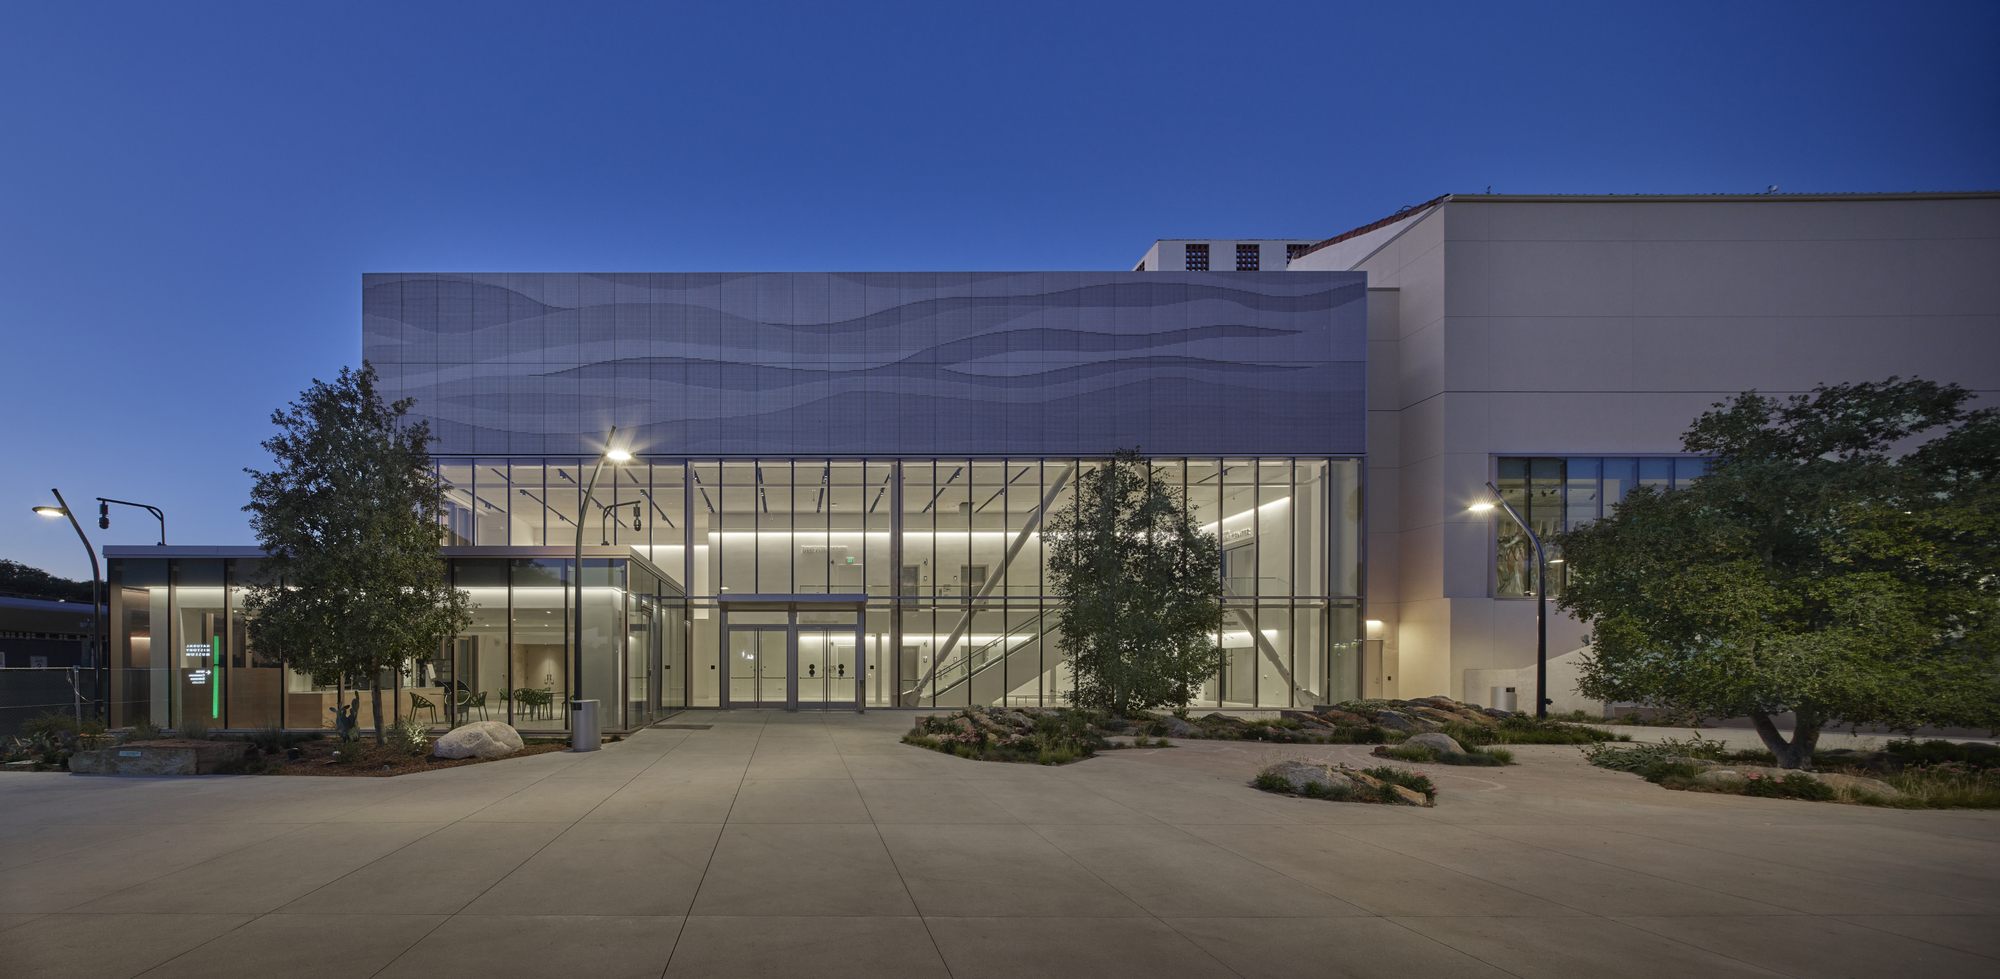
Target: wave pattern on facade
876 363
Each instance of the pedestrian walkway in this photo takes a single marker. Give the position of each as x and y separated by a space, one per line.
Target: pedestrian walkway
816 845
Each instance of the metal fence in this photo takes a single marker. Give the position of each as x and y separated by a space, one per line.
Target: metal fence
29 691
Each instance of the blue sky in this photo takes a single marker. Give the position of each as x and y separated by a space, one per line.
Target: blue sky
189 193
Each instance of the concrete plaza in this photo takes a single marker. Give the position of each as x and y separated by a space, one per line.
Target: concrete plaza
809 845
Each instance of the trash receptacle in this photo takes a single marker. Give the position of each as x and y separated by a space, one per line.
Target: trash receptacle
1504 699
585 732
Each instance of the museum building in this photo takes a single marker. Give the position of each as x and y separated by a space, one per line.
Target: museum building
837 480
834 493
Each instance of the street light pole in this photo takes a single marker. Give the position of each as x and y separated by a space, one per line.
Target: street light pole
1541 603
61 509
582 509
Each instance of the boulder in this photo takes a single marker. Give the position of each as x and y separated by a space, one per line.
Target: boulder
1441 717
1363 779
1177 727
1435 742
1880 761
479 739
1395 722
1856 783
1721 778
171 757
1408 796
1338 716
1301 774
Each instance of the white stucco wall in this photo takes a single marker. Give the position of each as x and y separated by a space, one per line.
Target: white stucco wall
1602 327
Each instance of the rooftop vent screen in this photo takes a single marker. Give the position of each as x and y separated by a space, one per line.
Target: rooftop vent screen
1246 258
1197 257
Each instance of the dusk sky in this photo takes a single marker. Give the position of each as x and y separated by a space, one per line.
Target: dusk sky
190 193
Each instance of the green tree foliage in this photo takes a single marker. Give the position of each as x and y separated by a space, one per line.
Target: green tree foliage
1811 571
1141 589
354 585
21 581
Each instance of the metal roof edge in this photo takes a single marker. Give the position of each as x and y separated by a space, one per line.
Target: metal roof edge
1942 195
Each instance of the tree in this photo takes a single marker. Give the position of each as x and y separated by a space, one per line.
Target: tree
20 580
1809 571
353 585
1141 590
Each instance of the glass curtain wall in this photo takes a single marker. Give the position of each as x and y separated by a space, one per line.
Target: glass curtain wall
181 650
1556 494
947 554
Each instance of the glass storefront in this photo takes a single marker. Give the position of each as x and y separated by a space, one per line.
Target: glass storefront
947 558
182 651
810 583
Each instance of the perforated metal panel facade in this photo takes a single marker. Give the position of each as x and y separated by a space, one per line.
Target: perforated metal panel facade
877 363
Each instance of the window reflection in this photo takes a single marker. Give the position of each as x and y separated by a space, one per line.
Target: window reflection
1558 494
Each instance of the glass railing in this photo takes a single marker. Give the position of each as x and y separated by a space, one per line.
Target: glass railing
977 659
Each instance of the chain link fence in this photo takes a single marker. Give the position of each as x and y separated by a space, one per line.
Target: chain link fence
29 691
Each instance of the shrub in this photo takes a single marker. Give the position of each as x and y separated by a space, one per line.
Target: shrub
93 733
194 727
1502 755
1946 785
411 735
1272 782
142 730
1372 734
274 740
1638 758
1935 751
1664 771
49 726
1793 785
1415 753
350 753
1530 730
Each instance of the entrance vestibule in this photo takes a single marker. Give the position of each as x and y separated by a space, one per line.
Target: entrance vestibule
792 655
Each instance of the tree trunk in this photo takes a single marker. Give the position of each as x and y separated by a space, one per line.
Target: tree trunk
1798 752
375 694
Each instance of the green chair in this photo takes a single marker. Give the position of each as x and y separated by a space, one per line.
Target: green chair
474 701
419 702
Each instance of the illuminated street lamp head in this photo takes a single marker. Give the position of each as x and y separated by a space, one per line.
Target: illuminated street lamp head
618 455
1480 507
52 511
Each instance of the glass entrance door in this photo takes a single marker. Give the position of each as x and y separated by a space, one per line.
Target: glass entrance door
826 667
758 666
805 657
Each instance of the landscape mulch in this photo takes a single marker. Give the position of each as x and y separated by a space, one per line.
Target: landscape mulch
383 762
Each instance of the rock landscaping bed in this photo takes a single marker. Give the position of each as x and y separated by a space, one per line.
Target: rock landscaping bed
1440 748
407 748
1038 735
1055 736
1388 722
362 759
1908 775
1339 783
